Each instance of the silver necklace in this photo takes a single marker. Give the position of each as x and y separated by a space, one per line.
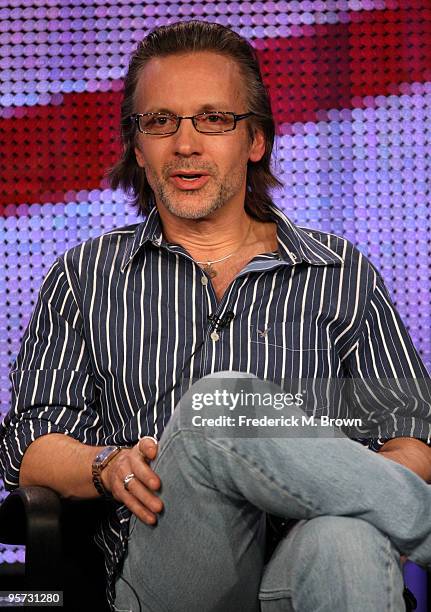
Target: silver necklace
207 266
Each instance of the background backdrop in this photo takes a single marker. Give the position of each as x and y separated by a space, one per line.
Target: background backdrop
350 83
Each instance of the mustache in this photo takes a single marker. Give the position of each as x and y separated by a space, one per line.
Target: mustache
206 167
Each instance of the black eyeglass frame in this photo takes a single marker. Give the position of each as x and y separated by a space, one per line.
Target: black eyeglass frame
135 119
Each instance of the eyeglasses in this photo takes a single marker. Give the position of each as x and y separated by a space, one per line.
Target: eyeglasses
160 124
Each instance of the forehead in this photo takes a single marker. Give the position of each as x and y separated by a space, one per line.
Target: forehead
186 82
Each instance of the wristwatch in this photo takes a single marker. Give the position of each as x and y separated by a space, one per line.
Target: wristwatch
100 462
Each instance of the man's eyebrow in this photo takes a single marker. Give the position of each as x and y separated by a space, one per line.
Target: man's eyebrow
157 109
201 109
212 107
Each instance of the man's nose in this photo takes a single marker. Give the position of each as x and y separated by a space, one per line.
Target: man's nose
187 140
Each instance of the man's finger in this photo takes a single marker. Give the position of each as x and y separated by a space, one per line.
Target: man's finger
148 500
137 488
142 502
147 446
147 476
150 438
143 514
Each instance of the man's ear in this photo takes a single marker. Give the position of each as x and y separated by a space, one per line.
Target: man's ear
139 157
257 147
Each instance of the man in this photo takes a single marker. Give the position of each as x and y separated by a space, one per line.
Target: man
218 280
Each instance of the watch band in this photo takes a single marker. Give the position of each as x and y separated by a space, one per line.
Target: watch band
100 462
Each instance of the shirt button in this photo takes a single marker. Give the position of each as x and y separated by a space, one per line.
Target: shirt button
204 281
215 336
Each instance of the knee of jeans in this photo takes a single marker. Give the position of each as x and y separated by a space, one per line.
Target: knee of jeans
345 563
328 547
346 541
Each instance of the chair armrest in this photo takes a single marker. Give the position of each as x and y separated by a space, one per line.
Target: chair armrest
31 516
29 508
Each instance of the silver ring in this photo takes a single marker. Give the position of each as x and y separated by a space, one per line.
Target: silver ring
127 479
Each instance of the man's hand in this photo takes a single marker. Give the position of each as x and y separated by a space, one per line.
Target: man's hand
411 453
140 498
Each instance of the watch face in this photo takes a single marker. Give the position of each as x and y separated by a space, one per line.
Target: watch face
104 454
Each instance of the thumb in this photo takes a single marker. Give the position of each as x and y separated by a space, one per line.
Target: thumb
148 447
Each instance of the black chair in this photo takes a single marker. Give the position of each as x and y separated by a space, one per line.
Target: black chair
61 553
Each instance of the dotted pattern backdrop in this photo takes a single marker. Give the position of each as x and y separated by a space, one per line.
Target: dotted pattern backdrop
350 83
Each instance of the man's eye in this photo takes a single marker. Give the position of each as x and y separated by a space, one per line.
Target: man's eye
158 120
162 120
215 118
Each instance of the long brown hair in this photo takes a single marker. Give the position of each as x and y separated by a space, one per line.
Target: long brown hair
189 37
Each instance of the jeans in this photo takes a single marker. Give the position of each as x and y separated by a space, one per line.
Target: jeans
356 512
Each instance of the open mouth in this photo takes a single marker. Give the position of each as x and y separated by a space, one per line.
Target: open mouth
189 177
189 180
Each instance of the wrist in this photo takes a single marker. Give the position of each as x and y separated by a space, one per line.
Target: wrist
100 462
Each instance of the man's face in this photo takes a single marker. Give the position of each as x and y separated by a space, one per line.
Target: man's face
186 85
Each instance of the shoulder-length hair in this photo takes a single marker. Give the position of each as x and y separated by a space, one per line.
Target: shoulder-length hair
188 37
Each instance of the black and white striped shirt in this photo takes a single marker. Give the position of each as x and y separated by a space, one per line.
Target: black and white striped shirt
123 318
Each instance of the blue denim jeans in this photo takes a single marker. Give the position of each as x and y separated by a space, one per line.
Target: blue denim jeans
356 512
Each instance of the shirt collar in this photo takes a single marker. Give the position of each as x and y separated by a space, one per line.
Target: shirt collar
148 231
295 243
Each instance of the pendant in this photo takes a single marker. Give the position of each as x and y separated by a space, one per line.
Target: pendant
209 270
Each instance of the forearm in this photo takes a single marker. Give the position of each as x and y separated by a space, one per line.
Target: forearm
411 453
64 464
61 463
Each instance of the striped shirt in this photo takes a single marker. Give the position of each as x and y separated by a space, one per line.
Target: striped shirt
122 319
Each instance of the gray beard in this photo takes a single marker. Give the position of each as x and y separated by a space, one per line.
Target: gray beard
225 192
